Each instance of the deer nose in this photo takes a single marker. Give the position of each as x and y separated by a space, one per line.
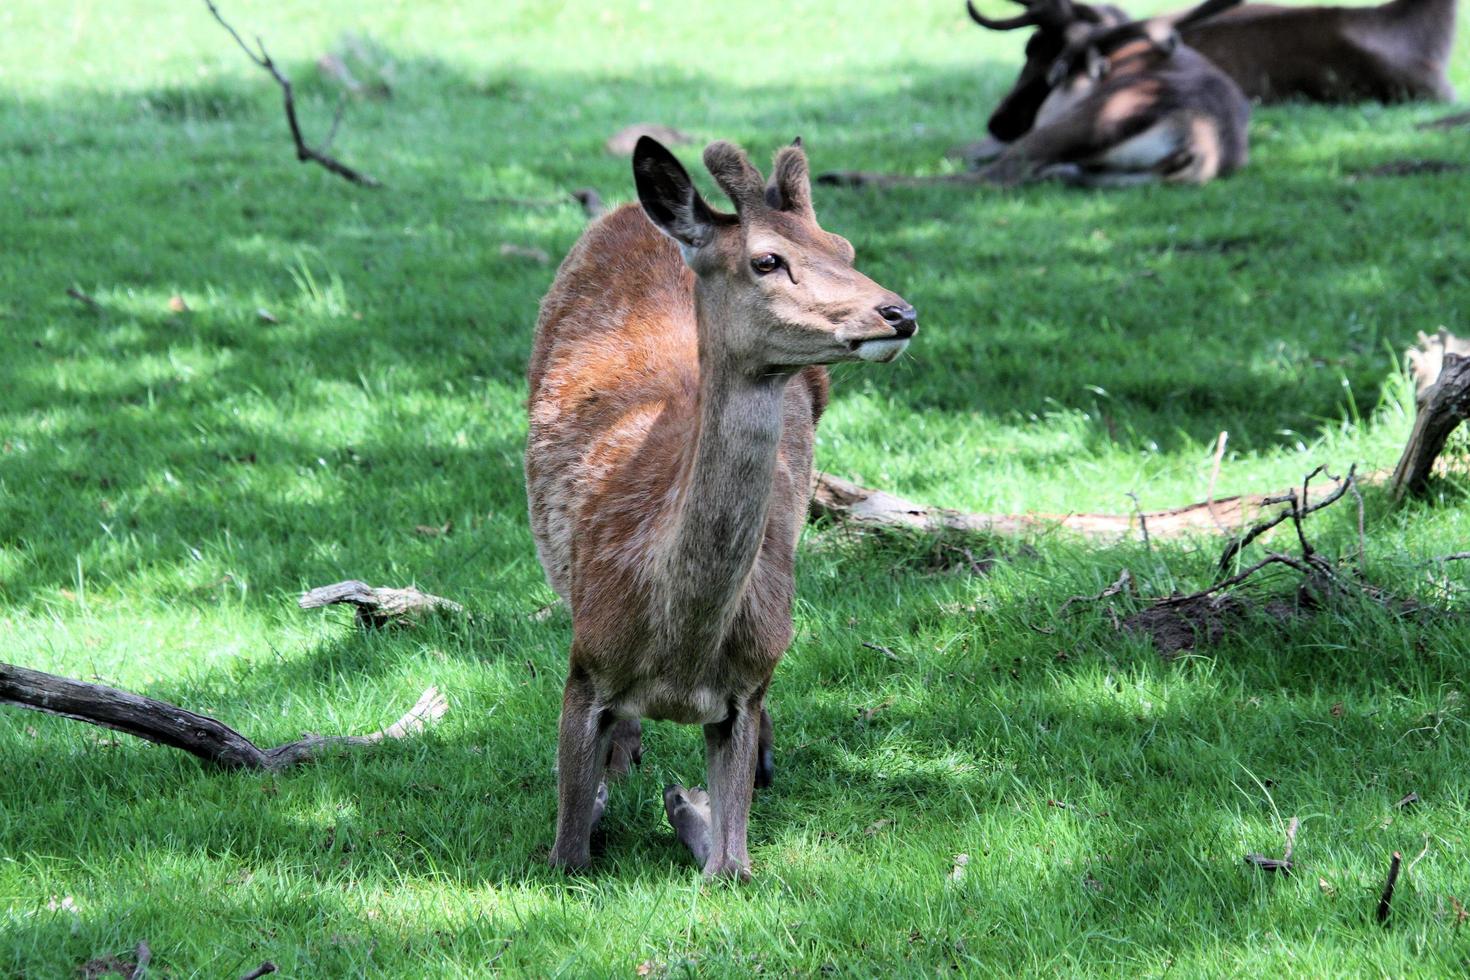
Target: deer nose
903 319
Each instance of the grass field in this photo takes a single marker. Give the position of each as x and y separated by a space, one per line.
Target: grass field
169 481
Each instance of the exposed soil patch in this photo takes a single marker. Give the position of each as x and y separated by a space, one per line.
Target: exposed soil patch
1203 620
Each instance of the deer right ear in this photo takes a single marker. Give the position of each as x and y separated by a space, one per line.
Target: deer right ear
669 197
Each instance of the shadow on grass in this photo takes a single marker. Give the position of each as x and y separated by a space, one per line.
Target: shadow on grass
388 394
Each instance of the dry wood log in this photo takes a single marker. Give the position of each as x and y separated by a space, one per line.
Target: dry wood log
838 499
1440 367
199 735
378 607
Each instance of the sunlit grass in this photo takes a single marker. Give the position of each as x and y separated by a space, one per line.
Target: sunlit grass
349 366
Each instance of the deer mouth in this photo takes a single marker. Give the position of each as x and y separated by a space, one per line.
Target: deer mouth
879 349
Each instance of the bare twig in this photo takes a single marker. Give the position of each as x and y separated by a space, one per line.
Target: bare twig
1457 556
1281 865
1385 901
83 298
1408 800
260 971
1142 522
879 648
1220 442
1123 583
1419 857
304 153
1300 508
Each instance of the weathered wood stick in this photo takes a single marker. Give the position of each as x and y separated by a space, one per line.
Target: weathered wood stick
1440 367
179 728
838 499
375 606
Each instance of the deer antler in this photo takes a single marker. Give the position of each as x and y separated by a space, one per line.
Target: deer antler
1051 12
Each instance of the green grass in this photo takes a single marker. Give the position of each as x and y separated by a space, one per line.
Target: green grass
169 482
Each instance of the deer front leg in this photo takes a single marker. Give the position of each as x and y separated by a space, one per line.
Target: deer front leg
582 745
730 753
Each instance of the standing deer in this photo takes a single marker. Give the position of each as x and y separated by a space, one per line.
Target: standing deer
676 381
1396 51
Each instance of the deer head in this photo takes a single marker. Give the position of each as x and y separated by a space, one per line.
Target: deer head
1059 25
775 291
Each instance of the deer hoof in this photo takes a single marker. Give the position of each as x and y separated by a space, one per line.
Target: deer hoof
688 812
570 861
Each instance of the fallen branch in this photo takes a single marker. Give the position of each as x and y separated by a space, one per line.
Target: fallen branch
199 735
260 971
304 153
378 607
1440 367
834 498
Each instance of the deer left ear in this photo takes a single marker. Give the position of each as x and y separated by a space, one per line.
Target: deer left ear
790 188
669 197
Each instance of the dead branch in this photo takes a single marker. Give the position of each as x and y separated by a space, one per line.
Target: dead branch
1385 901
1409 799
81 297
377 607
1440 367
260 971
304 153
834 498
1123 583
199 735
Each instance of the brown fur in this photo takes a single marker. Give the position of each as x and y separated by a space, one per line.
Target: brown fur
1391 53
1156 113
669 465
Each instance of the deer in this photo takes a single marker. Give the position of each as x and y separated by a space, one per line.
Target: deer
1123 102
1115 103
1393 52
677 375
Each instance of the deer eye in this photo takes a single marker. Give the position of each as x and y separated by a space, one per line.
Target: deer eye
766 264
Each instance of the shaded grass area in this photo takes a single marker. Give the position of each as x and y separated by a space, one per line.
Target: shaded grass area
169 480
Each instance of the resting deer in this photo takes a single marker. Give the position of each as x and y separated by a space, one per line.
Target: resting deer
676 381
1327 54
1129 103
1120 102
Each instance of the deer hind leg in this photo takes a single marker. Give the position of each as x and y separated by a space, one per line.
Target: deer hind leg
765 755
584 736
625 747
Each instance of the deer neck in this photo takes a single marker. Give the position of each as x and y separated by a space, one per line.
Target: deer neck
727 475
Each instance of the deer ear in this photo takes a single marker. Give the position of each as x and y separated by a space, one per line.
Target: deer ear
669 196
790 188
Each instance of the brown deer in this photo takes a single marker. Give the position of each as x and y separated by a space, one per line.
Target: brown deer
676 381
1129 103
1326 54
1118 103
